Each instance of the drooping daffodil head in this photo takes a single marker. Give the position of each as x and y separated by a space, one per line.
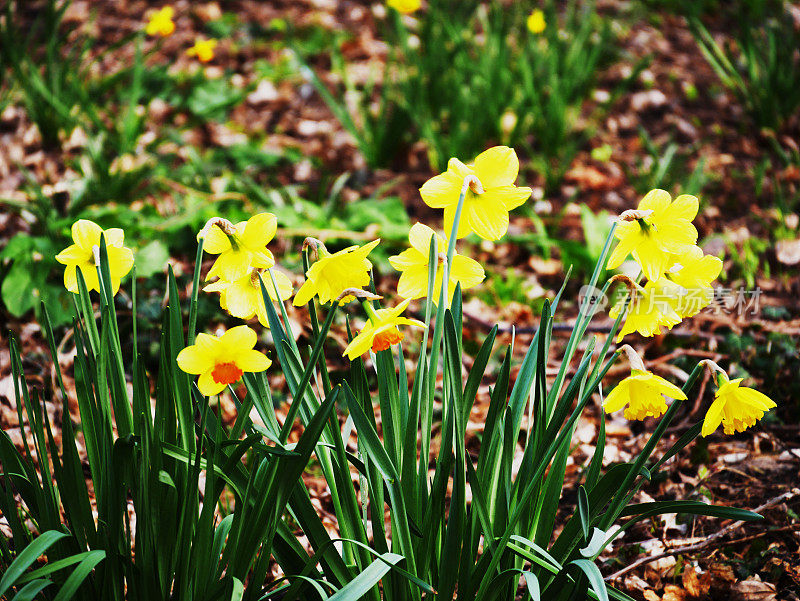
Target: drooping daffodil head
381 330
239 246
658 228
413 265
243 298
220 361
332 274
490 196
736 407
643 392
84 253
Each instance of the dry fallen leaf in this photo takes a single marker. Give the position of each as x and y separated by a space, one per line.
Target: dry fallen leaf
753 589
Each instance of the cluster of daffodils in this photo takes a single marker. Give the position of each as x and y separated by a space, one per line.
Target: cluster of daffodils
476 199
160 23
660 236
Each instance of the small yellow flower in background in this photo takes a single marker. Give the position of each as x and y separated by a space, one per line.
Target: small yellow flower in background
536 23
405 6
203 49
694 272
161 23
332 274
413 267
222 361
242 298
486 205
651 308
81 255
380 332
643 392
666 229
243 246
735 407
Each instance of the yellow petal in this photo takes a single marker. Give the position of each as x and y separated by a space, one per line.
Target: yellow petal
215 241
230 265
71 278
260 229
252 361
467 271
488 220
442 190
120 261
74 254
655 200
410 257
195 359
305 294
413 282
497 166
651 257
667 388
756 398
285 286
464 229
207 385
420 238
675 235
684 206
509 196
86 234
238 339
89 272
617 398
360 344
242 299
114 236
713 417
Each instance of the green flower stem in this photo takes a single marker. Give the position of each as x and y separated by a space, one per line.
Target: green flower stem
370 311
198 261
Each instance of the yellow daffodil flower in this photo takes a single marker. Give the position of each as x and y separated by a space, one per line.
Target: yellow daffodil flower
242 298
487 203
664 226
694 272
413 267
81 255
203 50
735 407
405 6
241 247
161 23
535 22
332 274
652 308
222 361
643 392
380 332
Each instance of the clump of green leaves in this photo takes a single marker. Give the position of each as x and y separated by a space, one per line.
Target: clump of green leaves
759 63
441 83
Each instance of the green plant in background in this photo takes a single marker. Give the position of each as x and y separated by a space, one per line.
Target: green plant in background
760 64
441 83
668 167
